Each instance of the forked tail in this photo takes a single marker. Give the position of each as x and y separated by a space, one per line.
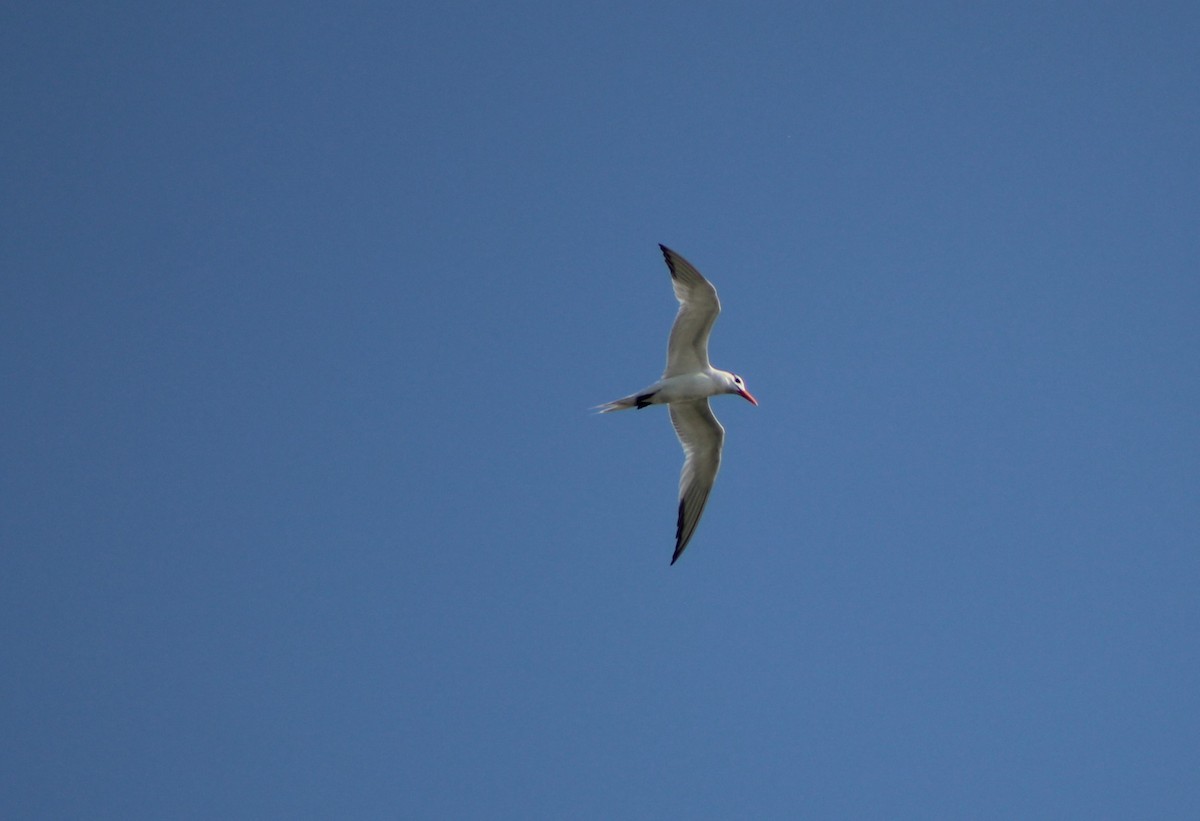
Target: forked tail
634 400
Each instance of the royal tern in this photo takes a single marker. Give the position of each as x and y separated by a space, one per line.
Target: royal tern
685 387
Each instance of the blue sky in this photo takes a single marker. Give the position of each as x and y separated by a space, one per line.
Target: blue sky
303 509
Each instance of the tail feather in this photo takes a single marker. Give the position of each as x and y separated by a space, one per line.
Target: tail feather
620 404
634 400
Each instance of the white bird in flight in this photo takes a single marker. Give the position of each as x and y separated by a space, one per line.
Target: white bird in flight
685 387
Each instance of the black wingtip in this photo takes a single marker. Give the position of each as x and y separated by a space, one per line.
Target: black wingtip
678 553
678 530
667 252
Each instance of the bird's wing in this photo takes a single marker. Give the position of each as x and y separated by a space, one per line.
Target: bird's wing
701 436
687 350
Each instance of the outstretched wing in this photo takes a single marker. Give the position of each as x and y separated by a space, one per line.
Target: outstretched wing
702 437
687 350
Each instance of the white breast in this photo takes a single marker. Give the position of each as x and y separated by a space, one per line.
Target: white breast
688 386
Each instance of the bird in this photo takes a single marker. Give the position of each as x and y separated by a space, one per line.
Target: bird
686 384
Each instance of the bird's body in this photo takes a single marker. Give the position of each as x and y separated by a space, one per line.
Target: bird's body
686 384
681 388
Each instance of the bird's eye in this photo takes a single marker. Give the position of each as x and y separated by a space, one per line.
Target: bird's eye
737 379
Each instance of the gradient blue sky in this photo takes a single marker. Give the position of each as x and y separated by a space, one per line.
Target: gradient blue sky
303 510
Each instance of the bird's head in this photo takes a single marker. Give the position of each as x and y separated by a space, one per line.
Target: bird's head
736 385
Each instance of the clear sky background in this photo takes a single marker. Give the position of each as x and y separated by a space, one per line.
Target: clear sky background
304 513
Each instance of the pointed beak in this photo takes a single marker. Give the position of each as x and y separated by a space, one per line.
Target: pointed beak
745 394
